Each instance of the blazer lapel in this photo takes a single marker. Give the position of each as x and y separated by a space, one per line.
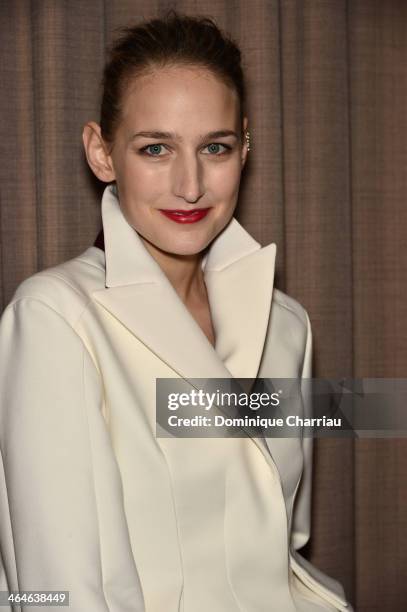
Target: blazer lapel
141 297
239 279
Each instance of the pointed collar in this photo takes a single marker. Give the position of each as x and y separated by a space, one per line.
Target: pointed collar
128 261
239 279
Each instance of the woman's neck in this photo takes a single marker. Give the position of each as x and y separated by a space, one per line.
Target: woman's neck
183 271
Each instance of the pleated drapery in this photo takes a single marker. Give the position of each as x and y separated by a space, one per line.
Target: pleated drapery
326 180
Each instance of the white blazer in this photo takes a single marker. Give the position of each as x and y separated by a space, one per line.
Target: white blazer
91 501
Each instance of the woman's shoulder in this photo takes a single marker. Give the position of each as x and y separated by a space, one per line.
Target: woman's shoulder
290 308
289 329
66 287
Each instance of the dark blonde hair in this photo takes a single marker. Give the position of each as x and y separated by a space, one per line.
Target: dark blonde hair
172 40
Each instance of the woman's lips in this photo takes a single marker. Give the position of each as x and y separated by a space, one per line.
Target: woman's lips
186 216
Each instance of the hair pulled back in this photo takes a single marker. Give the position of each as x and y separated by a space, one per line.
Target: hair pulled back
175 39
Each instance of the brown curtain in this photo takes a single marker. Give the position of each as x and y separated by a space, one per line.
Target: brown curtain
326 181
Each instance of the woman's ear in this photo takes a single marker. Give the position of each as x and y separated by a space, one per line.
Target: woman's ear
245 146
96 153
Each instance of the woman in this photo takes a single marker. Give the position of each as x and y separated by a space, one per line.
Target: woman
92 501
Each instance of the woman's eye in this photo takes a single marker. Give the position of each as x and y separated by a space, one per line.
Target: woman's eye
153 150
158 150
215 148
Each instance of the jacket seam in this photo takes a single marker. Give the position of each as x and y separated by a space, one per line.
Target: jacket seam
64 280
290 309
85 402
66 321
88 263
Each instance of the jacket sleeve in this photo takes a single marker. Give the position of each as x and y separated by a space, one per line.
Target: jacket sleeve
330 588
62 522
301 528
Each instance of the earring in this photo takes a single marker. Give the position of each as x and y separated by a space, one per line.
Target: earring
247 136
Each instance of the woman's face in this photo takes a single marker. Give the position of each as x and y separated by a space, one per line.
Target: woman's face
177 157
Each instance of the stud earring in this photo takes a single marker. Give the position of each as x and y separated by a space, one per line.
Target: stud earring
247 136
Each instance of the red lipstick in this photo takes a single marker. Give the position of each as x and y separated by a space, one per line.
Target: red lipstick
186 216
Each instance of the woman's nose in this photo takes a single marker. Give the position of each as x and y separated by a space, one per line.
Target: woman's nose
188 179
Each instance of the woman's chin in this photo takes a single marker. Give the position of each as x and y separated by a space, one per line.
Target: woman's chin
185 250
181 246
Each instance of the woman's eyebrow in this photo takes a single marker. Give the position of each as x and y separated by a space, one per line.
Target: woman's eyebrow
172 135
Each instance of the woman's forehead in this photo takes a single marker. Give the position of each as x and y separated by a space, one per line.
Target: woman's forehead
183 96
